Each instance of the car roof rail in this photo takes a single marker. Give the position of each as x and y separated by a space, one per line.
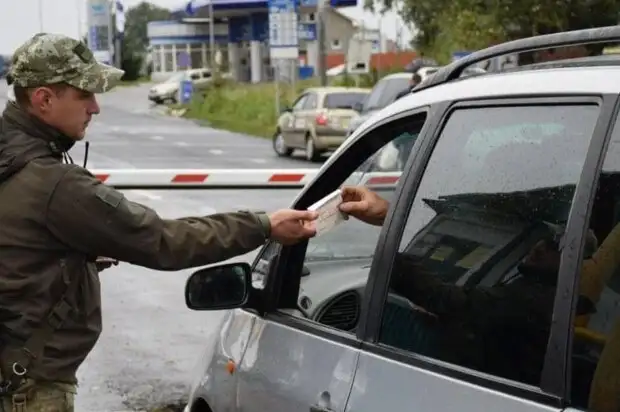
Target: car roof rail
454 70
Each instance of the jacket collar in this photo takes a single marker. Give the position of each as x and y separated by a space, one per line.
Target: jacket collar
31 125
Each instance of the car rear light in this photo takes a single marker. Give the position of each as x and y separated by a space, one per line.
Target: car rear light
321 120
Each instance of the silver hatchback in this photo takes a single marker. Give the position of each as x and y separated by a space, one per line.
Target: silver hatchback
493 284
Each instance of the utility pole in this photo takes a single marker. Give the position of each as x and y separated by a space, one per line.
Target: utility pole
320 36
212 64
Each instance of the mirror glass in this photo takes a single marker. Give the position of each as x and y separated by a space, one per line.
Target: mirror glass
218 287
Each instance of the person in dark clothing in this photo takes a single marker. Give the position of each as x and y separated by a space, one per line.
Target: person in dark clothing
58 219
502 329
415 80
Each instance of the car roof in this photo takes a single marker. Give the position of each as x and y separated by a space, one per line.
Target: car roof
594 80
401 75
336 89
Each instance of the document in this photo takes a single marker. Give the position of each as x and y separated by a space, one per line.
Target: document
329 214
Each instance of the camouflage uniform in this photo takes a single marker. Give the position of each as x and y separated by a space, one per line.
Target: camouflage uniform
57 218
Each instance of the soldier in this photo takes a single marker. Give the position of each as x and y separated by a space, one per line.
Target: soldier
56 219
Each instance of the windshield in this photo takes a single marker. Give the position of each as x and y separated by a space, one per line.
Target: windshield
343 100
385 92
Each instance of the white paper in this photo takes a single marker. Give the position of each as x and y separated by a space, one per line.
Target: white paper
329 214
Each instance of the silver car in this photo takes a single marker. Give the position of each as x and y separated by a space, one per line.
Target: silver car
492 285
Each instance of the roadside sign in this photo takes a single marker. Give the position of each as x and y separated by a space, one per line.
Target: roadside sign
359 53
283 29
186 91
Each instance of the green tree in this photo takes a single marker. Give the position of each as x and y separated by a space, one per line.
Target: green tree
444 26
135 39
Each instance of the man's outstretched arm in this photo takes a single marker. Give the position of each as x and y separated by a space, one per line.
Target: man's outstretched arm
99 221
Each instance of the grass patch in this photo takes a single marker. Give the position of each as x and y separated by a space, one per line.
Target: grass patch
136 82
246 108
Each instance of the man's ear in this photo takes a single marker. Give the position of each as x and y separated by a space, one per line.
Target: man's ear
42 98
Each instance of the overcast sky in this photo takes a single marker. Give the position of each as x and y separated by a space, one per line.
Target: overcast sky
22 19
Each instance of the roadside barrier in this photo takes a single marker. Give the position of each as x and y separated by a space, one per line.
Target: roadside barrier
228 178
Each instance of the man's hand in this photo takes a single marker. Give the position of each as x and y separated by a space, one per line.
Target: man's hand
290 226
364 204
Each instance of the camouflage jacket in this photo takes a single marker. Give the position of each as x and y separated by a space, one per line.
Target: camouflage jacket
57 218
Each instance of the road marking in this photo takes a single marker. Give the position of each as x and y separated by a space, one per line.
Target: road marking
216 151
158 138
147 194
181 144
260 161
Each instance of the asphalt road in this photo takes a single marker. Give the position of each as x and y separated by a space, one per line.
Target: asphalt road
151 342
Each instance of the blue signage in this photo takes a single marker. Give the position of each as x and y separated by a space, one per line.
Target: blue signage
307 31
260 26
283 29
186 91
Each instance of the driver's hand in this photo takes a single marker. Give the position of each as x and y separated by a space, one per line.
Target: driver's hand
364 204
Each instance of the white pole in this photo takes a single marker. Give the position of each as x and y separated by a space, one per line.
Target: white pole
41 16
211 38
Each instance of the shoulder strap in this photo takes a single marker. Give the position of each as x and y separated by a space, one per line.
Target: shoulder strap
17 361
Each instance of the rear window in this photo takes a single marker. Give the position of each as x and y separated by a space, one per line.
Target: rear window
385 92
342 100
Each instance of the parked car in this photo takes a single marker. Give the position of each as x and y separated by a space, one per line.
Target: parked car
317 121
168 90
493 284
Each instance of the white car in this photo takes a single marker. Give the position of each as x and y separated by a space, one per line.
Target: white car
168 90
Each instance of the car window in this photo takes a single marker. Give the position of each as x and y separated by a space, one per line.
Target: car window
311 102
299 104
473 281
385 92
343 100
337 262
195 76
595 382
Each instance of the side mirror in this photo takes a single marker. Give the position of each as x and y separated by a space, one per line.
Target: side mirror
287 109
358 106
219 287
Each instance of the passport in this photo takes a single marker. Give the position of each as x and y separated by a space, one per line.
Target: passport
329 214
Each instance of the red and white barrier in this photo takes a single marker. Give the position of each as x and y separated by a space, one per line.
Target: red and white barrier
226 178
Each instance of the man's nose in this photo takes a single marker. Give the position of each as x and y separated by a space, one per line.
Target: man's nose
94 106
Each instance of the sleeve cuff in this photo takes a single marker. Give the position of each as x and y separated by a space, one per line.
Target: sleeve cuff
263 218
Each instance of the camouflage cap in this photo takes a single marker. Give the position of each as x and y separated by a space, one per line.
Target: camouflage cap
53 58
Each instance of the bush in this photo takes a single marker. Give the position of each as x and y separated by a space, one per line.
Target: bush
244 108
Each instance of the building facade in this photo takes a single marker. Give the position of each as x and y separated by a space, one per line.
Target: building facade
241 38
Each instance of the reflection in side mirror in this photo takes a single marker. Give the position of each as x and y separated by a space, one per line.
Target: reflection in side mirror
219 287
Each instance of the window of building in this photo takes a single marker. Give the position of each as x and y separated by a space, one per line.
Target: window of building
156 56
595 384
197 56
168 62
474 280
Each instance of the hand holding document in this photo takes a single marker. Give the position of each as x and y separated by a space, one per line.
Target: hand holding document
329 214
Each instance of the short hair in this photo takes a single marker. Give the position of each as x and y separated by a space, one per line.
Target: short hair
22 94
416 78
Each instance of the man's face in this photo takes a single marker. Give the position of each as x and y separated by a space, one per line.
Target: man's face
543 261
67 109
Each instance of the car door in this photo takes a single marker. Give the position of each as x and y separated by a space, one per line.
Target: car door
471 258
305 119
287 121
303 351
